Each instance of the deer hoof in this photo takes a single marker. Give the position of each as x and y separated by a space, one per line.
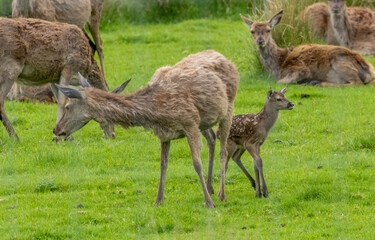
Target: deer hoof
56 139
265 195
210 204
222 197
158 203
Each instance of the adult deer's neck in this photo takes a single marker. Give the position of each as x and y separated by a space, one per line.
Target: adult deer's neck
135 109
342 28
272 57
268 115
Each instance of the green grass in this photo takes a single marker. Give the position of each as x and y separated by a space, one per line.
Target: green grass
93 188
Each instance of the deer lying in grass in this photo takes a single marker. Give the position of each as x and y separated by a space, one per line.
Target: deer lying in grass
354 27
180 101
36 52
320 18
249 131
41 94
311 63
66 11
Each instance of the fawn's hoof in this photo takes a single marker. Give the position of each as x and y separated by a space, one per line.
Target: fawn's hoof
158 203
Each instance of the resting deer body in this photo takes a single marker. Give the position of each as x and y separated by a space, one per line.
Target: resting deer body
36 52
311 63
249 131
180 101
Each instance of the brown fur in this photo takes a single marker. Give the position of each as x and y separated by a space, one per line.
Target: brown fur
354 26
326 65
319 17
41 94
181 100
66 11
249 131
37 52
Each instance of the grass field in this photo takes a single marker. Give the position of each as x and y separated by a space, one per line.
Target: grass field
319 160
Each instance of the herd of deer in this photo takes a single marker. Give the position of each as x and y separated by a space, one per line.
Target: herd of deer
183 100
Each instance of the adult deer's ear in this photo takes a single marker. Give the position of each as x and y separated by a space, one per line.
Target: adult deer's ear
247 21
276 19
269 94
83 80
121 87
283 91
70 92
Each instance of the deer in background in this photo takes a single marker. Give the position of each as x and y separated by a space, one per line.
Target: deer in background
311 63
249 131
180 101
354 27
41 94
66 11
36 52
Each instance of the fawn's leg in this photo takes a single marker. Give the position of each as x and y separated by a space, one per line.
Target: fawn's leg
237 159
258 169
210 138
194 139
164 154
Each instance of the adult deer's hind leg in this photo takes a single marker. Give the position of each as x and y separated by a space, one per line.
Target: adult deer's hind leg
9 72
210 138
194 139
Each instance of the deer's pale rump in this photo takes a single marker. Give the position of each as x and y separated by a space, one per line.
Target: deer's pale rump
180 101
36 52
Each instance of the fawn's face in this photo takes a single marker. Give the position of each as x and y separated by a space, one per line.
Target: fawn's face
278 100
337 7
261 31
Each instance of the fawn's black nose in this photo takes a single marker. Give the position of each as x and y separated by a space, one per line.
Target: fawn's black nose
290 105
260 41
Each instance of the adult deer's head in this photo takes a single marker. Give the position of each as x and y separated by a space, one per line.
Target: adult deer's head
261 31
78 111
278 100
337 7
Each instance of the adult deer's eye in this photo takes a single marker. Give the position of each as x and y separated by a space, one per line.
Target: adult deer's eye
252 32
268 30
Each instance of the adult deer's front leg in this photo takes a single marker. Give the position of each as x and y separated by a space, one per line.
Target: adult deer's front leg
195 143
164 154
210 138
9 71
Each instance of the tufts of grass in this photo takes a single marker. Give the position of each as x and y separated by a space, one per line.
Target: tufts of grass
47 185
364 143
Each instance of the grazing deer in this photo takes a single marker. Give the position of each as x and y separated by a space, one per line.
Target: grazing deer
36 52
354 27
180 101
249 131
311 63
67 11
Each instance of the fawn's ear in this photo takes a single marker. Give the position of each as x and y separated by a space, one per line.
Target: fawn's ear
70 92
276 19
247 21
121 87
269 94
283 91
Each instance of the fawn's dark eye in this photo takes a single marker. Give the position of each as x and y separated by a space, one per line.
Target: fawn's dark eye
268 30
252 32
279 100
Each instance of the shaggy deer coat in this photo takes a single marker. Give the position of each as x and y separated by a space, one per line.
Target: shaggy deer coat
354 27
36 52
311 63
66 11
180 101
